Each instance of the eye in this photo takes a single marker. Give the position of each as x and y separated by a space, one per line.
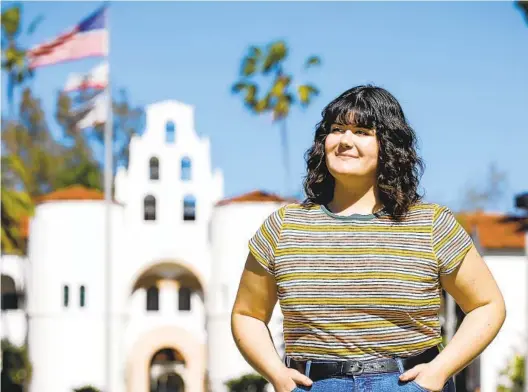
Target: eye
335 129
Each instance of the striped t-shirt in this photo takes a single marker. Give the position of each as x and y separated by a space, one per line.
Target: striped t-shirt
360 286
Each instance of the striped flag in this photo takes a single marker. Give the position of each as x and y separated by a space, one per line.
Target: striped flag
94 112
96 79
89 38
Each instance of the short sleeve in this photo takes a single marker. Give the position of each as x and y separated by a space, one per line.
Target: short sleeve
450 240
264 242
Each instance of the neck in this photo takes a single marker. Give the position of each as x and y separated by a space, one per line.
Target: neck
357 198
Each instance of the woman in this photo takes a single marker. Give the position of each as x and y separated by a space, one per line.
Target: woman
358 267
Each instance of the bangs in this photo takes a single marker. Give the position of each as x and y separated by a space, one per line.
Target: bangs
355 111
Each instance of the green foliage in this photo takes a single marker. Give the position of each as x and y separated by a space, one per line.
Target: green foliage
278 96
87 388
16 368
523 6
15 205
14 57
514 373
247 383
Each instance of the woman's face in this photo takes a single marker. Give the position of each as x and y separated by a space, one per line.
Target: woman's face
351 151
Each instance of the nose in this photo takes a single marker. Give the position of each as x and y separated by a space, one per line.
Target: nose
346 139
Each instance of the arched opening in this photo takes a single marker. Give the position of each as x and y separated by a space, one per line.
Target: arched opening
10 296
186 169
154 168
162 356
164 371
170 132
149 208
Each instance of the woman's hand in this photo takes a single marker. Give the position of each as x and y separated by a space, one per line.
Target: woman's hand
290 379
426 376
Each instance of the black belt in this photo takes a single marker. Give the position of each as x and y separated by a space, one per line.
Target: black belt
325 369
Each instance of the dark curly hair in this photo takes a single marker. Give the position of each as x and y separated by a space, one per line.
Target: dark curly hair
399 166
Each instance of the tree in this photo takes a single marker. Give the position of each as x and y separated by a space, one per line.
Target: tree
16 368
14 59
478 198
523 6
15 206
30 140
279 98
247 383
128 120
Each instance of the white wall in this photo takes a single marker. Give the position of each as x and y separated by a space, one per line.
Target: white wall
168 239
67 247
231 228
510 273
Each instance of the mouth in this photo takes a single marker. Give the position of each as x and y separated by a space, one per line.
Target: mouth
347 156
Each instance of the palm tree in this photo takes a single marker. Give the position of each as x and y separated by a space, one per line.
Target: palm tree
523 6
279 98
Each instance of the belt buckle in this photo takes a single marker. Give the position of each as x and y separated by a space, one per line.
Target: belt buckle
355 368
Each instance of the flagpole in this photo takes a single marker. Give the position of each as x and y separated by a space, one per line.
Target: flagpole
108 174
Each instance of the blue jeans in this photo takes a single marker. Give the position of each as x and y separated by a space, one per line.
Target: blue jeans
384 382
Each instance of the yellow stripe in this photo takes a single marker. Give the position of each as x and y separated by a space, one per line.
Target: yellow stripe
360 301
353 251
318 276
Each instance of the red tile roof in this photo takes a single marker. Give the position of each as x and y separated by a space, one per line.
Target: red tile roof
492 231
254 197
75 192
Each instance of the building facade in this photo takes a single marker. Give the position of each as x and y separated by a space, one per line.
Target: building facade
177 252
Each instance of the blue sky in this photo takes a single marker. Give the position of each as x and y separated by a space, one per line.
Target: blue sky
458 69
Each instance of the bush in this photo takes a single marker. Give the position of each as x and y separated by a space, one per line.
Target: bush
514 374
16 368
247 383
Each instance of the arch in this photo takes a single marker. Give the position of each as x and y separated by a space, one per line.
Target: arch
170 132
157 267
178 339
189 208
9 293
149 208
154 168
186 169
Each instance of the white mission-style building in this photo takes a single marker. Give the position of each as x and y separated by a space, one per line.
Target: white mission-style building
178 249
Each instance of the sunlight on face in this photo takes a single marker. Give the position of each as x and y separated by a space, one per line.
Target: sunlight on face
351 151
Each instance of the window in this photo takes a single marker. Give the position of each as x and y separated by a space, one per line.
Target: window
149 208
82 296
154 168
184 298
9 293
170 132
65 296
152 298
189 208
185 169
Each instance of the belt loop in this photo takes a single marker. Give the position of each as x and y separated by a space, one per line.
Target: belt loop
400 364
308 367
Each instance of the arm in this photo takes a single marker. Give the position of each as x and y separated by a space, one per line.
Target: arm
476 292
254 303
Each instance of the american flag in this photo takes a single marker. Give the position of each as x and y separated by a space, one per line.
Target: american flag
87 39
